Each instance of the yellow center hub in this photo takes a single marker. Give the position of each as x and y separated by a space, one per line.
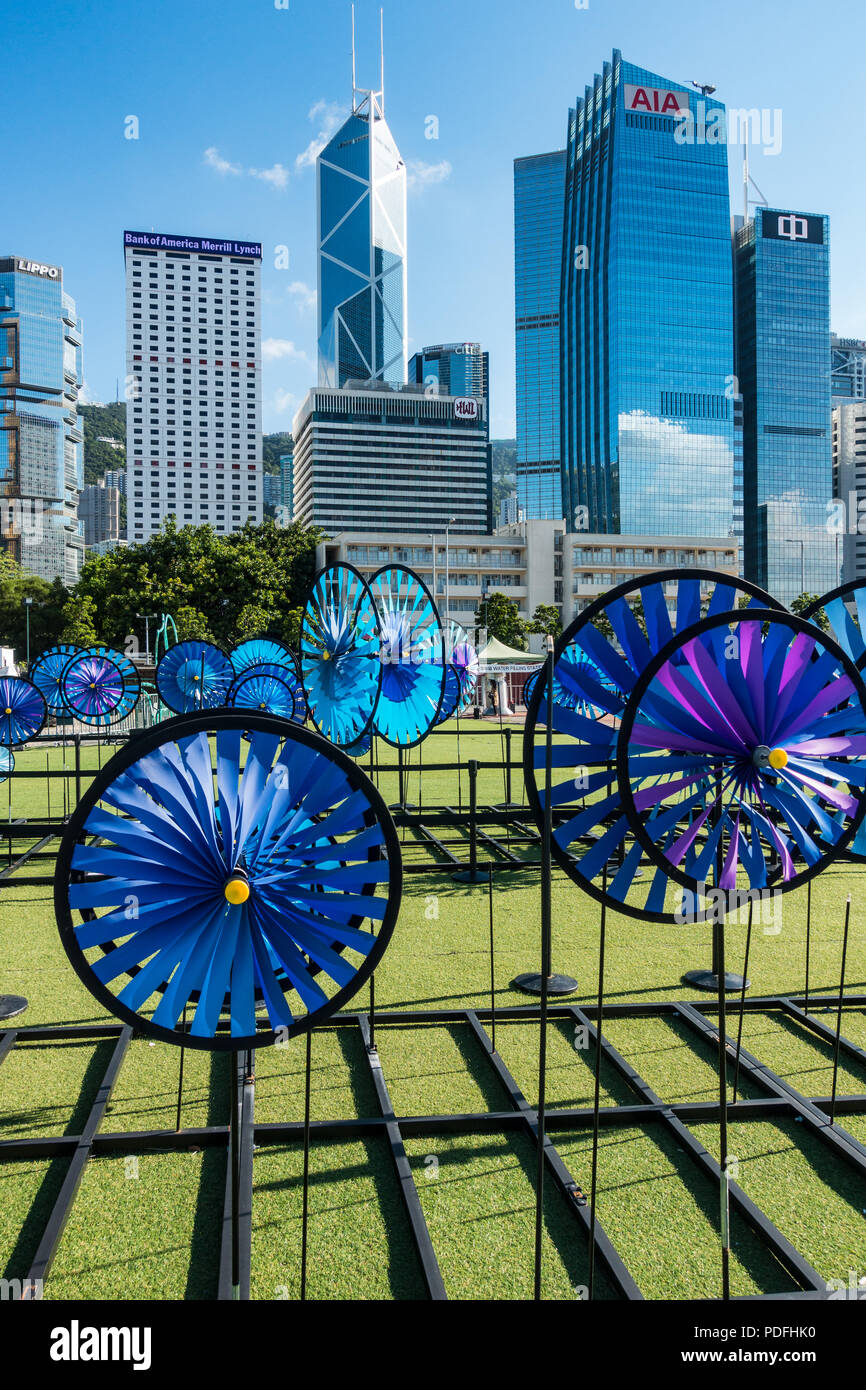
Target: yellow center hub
778 759
237 890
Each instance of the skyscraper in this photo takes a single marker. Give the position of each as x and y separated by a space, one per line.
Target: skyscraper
361 204
647 417
783 368
452 369
193 362
539 202
847 369
41 456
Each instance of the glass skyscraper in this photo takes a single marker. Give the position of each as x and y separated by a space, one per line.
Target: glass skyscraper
452 369
784 369
539 201
647 387
361 200
41 444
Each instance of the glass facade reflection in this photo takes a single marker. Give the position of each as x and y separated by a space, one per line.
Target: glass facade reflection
362 250
647 416
41 444
539 201
452 369
784 370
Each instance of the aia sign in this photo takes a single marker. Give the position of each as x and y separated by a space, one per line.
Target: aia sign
657 101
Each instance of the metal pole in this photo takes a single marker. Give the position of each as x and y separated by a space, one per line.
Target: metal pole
235 1162
492 986
546 955
808 938
305 1207
743 1002
839 1012
597 1089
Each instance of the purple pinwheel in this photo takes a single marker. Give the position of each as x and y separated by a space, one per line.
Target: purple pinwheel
100 686
741 761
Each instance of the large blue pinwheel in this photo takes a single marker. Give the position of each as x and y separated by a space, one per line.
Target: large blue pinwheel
257 651
845 611
412 652
22 710
100 686
744 763
225 862
264 688
598 660
46 674
194 676
340 665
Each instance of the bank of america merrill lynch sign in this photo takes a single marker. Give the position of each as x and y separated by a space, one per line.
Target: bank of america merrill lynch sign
208 246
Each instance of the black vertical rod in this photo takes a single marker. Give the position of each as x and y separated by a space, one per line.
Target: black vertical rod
808 938
597 1090
743 1002
401 798
473 819
77 740
180 1074
492 985
235 1162
305 1199
839 1012
459 776
373 1012
48 784
507 769
720 970
546 957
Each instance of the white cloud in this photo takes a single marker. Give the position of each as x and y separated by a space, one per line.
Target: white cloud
214 160
420 175
330 117
306 298
284 400
275 348
277 175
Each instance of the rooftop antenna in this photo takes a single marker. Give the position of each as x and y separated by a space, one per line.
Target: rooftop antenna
747 180
705 88
354 76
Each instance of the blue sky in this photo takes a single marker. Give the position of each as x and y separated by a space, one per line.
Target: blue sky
230 99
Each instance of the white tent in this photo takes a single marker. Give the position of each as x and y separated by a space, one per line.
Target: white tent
496 661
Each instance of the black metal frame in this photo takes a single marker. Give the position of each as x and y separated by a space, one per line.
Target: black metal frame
778 1100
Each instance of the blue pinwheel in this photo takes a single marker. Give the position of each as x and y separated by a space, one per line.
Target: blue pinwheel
264 688
22 710
46 674
461 654
100 686
597 663
7 763
845 611
258 651
194 676
749 766
413 660
224 861
340 665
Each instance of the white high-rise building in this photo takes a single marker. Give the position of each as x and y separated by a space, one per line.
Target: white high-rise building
849 489
193 378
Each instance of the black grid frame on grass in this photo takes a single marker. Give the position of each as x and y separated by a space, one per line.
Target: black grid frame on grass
776 1099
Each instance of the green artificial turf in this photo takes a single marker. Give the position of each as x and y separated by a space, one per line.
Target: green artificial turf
157 1234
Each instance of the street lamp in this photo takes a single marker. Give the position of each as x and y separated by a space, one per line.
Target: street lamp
802 544
147 617
451 521
28 603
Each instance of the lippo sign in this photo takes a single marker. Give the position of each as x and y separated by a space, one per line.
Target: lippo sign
657 101
159 241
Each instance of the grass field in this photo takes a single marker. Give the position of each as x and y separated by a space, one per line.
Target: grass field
147 1225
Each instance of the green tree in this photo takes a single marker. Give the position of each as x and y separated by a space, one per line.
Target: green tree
224 586
45 609
546 620
501 616
79 615
819 617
